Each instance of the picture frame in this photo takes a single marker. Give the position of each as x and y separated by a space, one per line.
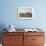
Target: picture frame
25 13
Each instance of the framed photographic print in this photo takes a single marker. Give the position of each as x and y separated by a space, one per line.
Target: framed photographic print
25 13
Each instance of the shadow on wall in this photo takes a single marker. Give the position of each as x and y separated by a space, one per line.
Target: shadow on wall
2 26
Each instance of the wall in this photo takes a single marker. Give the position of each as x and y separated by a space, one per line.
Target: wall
8 13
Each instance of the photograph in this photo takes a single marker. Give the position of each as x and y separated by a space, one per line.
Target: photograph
25 13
